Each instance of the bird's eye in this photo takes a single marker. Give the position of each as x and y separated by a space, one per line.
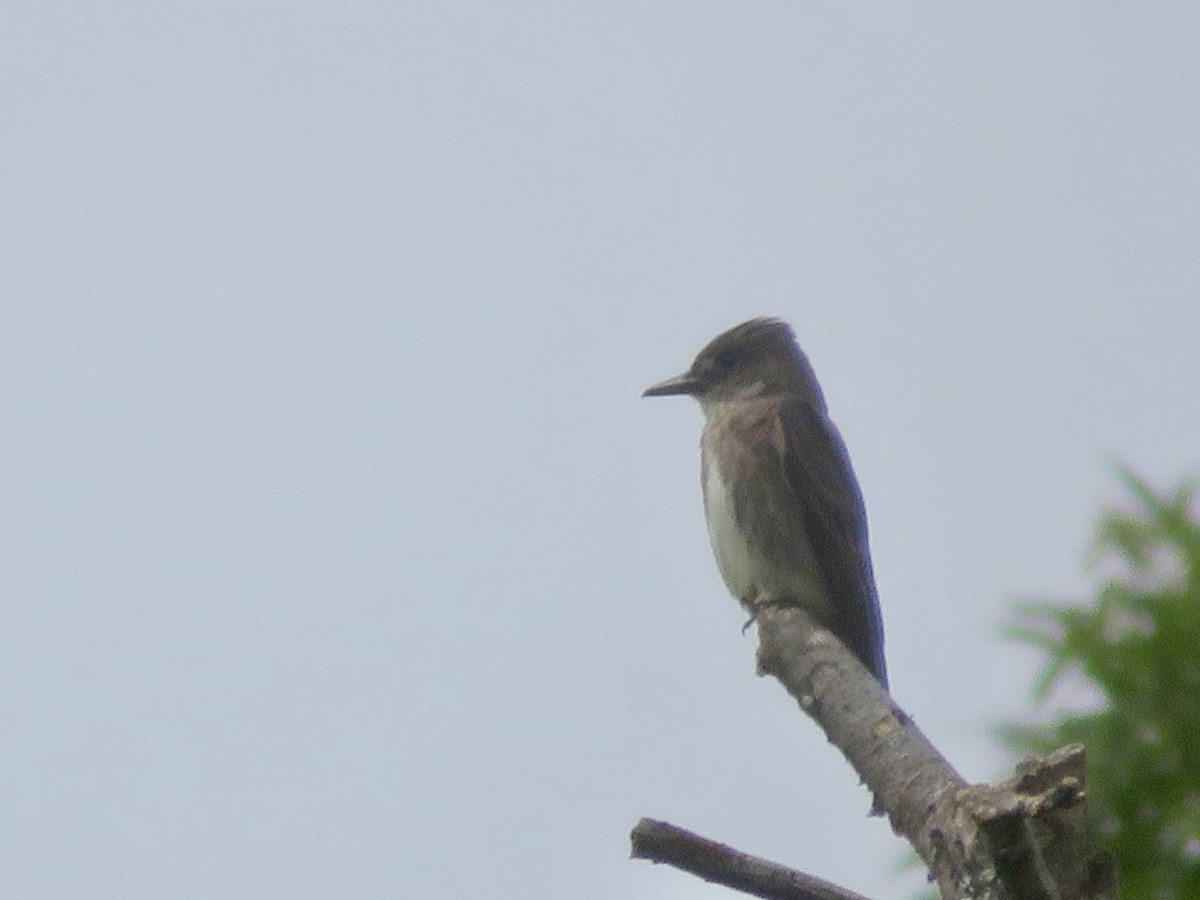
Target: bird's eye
727 359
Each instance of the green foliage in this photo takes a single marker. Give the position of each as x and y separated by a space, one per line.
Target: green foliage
1136 647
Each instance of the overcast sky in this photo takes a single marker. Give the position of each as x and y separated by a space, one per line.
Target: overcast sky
339 555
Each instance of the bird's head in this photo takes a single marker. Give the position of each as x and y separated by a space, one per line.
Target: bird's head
759 358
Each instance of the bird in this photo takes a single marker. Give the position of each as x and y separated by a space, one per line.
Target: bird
784 511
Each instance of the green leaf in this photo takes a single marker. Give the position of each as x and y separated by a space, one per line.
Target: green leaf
1134 645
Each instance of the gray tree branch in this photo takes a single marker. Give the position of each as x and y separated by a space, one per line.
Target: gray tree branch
1026 838
665 843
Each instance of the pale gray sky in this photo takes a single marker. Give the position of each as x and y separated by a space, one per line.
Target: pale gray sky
340 557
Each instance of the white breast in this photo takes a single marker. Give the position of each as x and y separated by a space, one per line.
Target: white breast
750 575
735 558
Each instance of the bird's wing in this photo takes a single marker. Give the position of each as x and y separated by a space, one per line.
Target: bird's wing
819 473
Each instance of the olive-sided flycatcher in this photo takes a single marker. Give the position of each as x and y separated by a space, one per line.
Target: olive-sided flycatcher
785 515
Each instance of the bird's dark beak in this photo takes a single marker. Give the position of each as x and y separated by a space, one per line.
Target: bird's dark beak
687 383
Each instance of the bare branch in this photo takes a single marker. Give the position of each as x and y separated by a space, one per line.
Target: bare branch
1023 840
910 780
665 843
